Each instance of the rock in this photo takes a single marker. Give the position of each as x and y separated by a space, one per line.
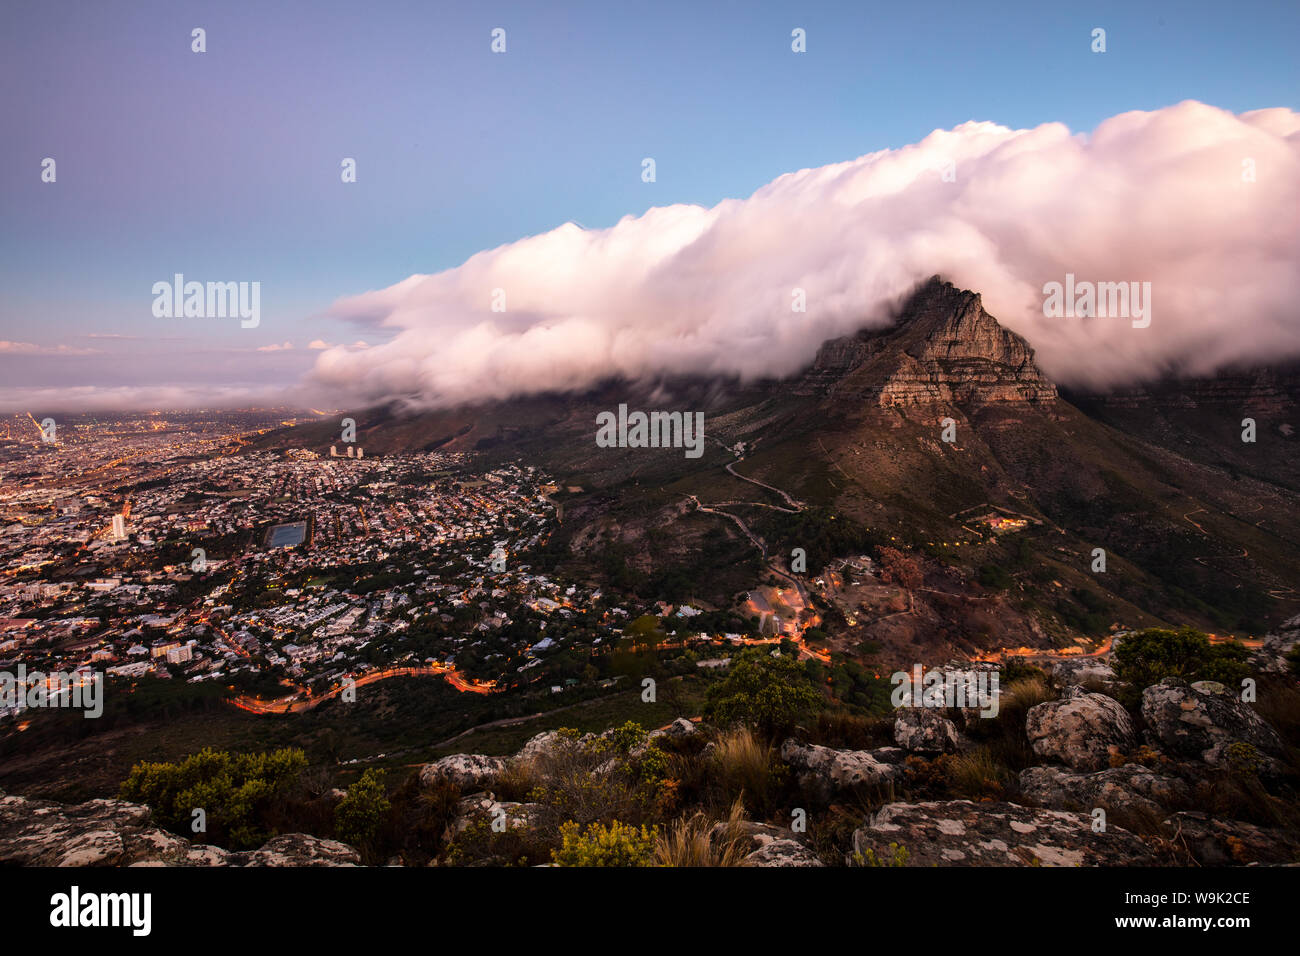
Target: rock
299 849
117 833
681 727
1080 730
890 755
485 808
1070 672
826 772
924 730
758 834
962 833
1270 657
94 833
1131 788
945 350
1201 719
767 845
551 743
782 853
1213 841
470 772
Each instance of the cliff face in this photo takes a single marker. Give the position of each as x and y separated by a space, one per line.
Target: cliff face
944 350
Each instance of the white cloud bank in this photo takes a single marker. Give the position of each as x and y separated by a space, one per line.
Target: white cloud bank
1155 197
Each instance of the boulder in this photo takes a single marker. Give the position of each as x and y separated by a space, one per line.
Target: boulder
758 834
962 833
1131 788
782 853
470 772
117 833
1088 670
892 755
681 727
485 808
1081 730
1271 657
1202 719
551 743
1213 841
828 773
299 849
924 730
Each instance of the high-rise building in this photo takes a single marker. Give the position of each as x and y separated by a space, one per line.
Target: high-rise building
119 527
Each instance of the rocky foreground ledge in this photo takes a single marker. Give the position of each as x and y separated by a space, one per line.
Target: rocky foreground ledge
117 833
1090 757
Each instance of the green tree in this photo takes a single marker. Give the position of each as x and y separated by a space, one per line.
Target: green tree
763 691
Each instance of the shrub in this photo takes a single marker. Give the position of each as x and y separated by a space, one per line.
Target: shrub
1149 656
1243 758
360 813
586 781
995 577
897 856
616 845
419 818
632 745
235 791
478 844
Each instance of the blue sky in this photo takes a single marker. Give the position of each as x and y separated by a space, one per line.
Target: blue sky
225 165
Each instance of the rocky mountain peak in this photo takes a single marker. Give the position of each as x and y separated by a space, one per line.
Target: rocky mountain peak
944 349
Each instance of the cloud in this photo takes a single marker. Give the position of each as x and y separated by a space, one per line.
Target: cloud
321 345
82 399
31 348
1157 197
285 347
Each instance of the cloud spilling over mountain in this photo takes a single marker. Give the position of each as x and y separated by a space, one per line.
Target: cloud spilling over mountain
1199 202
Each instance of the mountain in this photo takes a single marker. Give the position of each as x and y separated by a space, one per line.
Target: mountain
1197 526
945 349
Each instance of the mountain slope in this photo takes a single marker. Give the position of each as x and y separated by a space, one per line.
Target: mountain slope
1192 533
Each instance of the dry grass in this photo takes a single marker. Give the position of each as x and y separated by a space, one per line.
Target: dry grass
979 775
1004 735
689 841
1023 694
740 768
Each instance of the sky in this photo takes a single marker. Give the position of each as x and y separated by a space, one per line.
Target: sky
225 165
